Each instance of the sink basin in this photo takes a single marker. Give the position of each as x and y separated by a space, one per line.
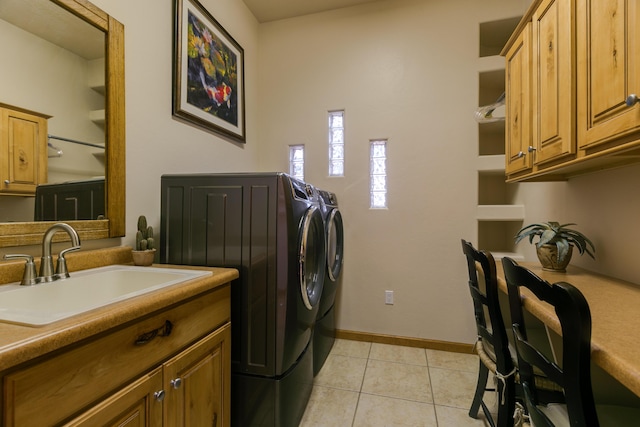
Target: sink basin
85 290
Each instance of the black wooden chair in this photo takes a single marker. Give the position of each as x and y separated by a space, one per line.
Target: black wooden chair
492 344
574 405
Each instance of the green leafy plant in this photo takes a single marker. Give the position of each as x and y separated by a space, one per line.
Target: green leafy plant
554 233
144 235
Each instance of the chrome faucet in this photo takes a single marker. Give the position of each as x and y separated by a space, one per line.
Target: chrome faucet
46 262
46 265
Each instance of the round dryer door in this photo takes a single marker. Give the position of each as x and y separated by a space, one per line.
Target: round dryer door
335 244
312 257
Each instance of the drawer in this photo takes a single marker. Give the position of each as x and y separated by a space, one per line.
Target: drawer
69 381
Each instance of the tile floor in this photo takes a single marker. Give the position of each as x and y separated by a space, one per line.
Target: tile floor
368 384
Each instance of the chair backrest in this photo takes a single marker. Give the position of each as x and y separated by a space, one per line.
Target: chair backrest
574 377
489 322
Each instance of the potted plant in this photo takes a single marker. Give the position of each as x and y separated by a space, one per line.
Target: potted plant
145 251
555 243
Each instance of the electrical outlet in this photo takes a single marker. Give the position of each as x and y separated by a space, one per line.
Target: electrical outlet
388 297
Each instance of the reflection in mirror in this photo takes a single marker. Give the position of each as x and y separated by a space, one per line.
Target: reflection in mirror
57 69
85 115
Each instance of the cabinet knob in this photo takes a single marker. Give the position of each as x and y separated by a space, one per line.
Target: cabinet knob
520 155
632 99
531 149
176 383
7 182
159 395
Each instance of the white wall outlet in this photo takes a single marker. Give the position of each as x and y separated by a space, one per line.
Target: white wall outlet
388 297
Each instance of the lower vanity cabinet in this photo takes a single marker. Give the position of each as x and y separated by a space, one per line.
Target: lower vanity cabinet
196 383
188 390
172 368
134 405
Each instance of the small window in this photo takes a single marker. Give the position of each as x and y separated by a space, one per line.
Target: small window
378 159
296 161
336 143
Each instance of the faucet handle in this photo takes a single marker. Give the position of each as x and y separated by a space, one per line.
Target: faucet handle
30 277
61 266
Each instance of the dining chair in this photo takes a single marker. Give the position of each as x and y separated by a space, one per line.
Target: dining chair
574 405
492 344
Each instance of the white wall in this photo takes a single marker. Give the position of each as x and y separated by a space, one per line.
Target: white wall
156 143
605 207
405 70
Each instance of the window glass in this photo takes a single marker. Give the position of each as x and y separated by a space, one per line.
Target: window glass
378 178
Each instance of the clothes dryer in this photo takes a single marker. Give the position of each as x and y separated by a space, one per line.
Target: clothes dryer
269 226
325 327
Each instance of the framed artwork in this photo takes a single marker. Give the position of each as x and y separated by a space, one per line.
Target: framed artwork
208 87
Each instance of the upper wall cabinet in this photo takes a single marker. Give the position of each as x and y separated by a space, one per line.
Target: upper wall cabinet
553 81
583 67
609 54
23 149
518 149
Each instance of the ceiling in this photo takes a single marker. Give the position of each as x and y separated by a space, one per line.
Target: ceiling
273 10
52 23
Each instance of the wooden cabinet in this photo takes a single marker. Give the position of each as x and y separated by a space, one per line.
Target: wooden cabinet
584 66
23 150
518 113
134 405
197 383
171 368
609 58
191 389
553 81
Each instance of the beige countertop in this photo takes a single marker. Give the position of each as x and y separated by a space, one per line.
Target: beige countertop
615 317
22 343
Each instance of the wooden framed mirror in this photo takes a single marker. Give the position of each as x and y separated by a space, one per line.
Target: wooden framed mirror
30 233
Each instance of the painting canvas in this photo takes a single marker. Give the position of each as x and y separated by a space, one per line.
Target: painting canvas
208 73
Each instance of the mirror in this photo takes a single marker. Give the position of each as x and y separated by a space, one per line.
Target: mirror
25 231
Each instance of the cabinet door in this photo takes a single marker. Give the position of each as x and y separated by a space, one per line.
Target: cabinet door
608 55
553 86
23 144
518 111
137 405
197 383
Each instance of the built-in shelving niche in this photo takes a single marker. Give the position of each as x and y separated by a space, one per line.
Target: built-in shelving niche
498 216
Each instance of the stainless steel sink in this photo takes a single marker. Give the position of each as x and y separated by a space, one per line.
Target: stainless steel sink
85 290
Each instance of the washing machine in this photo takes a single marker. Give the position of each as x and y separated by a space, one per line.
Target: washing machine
325 327
270 227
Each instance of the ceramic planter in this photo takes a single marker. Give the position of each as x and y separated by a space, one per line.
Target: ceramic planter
144 258
548 256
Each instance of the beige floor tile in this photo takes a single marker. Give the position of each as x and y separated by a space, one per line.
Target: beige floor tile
456 417
342 372
397 353
448 360
378 411
453 388
330 407
351 348
404 381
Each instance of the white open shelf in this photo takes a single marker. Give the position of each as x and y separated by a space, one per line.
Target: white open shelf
493 163
490 63
498 220
500 213
97 116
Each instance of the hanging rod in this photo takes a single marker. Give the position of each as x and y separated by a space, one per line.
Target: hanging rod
88 144
58 151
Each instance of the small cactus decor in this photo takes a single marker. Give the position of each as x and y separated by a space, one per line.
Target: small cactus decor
145 244
144 235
